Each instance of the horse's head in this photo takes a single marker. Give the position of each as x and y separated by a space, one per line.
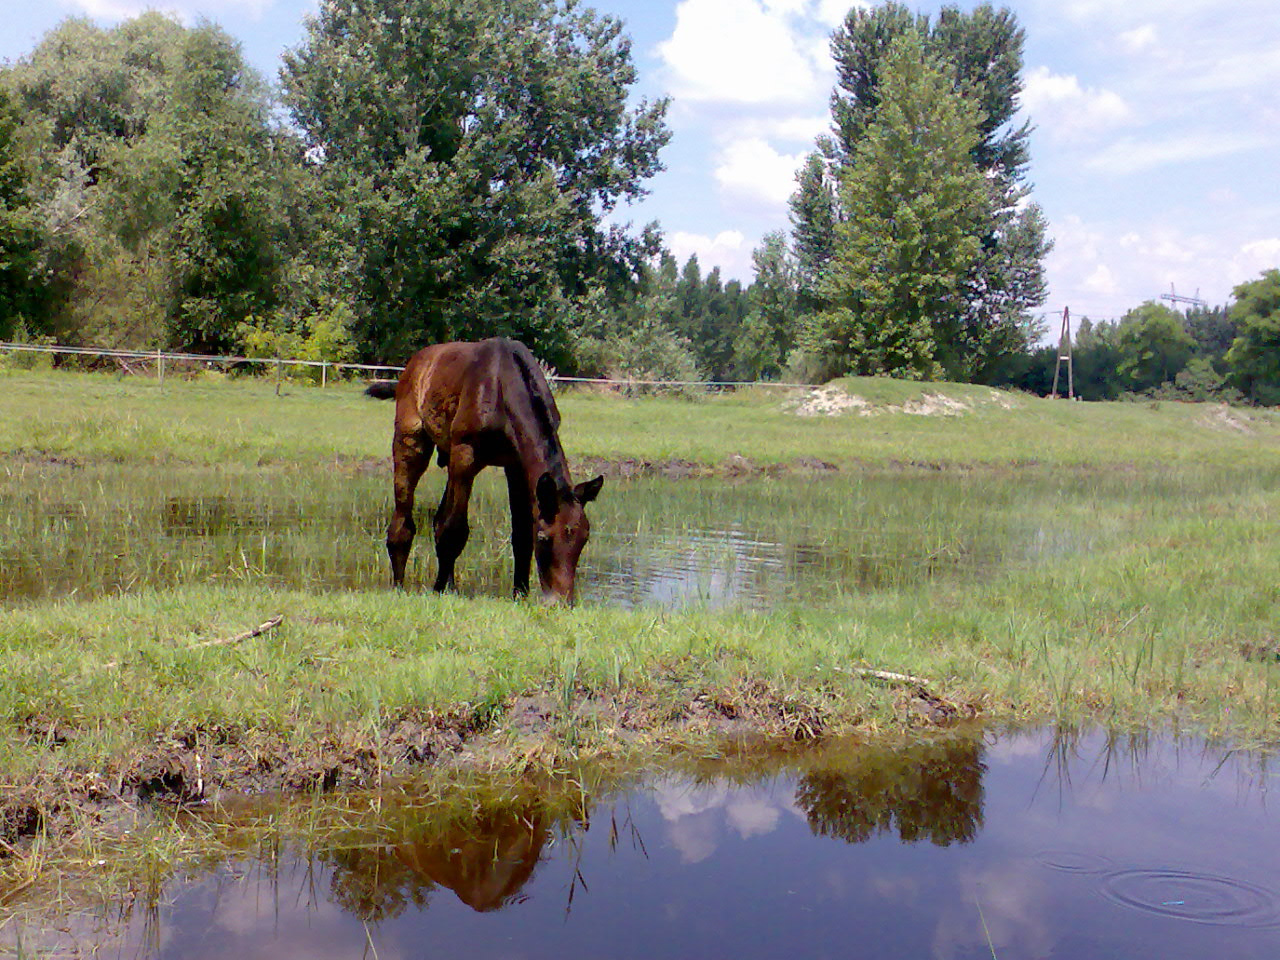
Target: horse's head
560 532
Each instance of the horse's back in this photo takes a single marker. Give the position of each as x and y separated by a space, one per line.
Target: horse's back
469 386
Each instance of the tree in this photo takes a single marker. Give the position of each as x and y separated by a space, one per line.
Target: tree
1096 360
1213 330
1153 345
471 149
21 286
1004 279
1254 357
915 205
768 331
229 233
814 214
162 181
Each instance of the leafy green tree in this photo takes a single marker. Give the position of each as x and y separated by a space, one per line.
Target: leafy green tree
915 206
471 150
984 49
1096 357
1213 330
1254 357
768 331
162 180
22 291
1153 344
229 235
1004 278
814 213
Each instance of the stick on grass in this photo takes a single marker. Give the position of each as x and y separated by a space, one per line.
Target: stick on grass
257 631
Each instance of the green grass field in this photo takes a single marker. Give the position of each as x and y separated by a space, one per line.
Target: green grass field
1149 600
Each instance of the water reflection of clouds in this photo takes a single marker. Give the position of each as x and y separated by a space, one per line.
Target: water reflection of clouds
288 918
1004 907
697 815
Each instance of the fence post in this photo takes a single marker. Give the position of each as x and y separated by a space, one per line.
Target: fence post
160 365
279 374
324 375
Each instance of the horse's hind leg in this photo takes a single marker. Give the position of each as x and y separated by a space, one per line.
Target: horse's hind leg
410 456
451 528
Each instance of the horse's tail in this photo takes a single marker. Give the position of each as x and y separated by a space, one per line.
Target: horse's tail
381 389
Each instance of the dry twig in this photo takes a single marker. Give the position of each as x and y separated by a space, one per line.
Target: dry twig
257 631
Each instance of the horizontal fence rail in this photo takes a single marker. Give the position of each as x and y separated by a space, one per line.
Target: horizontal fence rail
160 357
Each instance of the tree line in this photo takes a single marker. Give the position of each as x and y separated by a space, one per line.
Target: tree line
1223 353
427 170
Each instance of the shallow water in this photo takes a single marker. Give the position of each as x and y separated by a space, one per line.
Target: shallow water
102 529
1022 845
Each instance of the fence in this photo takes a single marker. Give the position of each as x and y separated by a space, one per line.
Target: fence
160 357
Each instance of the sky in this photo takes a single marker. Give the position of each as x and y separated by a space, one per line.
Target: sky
1155 156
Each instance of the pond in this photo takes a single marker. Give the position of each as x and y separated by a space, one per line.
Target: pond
86 531
1030 844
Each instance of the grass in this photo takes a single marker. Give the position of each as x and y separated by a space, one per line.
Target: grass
1039 561
225 423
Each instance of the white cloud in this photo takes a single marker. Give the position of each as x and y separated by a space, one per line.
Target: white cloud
833 12
796 129
1253 258
1139 39
754 170
1131 155
739 51
1062 107
727 250
1102 272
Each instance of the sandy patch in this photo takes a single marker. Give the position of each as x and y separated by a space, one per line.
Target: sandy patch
828 401
933 405
1222 417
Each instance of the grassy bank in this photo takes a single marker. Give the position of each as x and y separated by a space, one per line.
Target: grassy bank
1139 587
242 422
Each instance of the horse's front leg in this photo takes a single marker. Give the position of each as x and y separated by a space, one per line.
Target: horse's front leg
521 528
410 455
451 527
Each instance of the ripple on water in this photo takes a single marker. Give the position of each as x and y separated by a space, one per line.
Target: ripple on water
1075 861
1198 897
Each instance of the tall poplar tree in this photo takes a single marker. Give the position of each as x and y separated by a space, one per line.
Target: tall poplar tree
915 205
982 50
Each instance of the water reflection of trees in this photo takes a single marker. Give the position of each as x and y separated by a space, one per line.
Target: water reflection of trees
929 791
485 856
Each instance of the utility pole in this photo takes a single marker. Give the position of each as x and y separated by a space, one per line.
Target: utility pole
1064 355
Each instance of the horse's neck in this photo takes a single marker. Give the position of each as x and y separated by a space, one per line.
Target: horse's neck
539 451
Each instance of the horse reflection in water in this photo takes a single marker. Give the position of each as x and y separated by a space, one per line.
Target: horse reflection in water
478 405
925 792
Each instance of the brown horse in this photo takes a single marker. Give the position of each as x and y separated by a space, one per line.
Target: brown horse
479 405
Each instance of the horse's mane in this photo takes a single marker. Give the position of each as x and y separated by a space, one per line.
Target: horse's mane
540 402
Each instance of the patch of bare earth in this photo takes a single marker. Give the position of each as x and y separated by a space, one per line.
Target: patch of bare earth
1222 417
831 401
828 401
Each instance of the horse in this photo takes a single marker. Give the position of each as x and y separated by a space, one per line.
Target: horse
479 405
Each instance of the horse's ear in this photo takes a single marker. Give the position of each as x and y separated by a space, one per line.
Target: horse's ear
548 497
589 490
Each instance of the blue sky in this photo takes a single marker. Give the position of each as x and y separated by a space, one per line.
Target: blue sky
1156 155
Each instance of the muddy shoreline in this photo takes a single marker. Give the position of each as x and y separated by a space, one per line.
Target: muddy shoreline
199 765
